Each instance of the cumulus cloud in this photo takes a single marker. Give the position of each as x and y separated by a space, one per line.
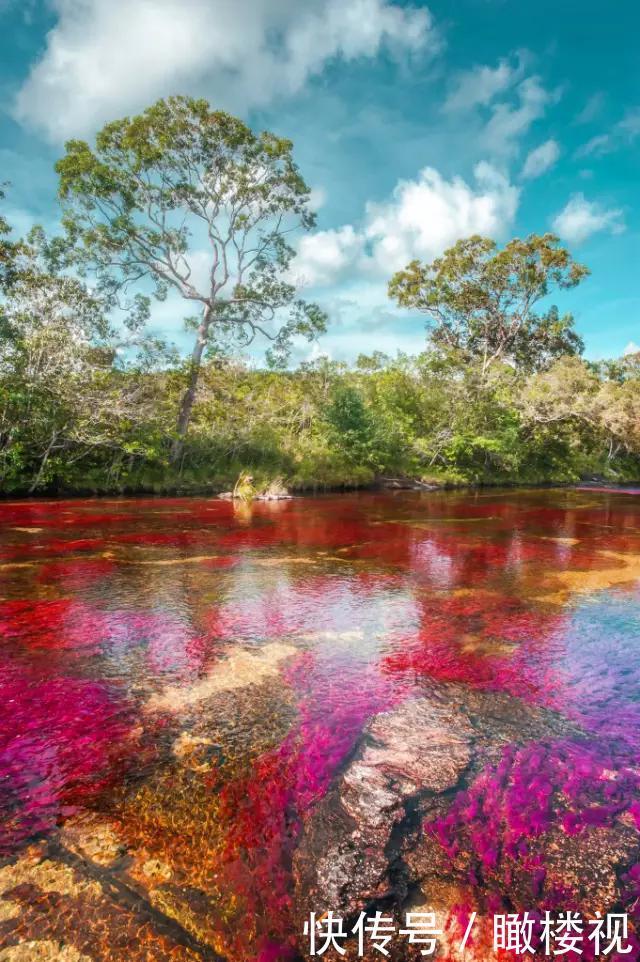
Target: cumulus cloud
631 348
325 256
420 219
426 215
104 58
581 218
541 159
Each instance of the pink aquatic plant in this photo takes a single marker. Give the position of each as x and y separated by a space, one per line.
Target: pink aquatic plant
265 811
391 597
62 742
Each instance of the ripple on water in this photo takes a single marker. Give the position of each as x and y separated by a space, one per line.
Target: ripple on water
184 686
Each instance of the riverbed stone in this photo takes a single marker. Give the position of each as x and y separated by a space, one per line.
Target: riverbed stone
363 848
42 951
587 864
93 838
344 858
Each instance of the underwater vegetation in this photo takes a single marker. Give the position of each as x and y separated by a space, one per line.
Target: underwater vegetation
190 688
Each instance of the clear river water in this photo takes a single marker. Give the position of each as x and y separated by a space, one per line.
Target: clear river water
186 684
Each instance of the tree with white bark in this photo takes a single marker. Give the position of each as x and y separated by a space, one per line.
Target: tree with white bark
192 201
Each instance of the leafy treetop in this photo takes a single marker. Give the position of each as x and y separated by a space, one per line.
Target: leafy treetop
480 299
193 200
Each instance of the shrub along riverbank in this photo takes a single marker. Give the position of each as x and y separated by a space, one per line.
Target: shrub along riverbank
83 425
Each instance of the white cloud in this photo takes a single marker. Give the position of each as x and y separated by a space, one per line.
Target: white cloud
541 159
348 267
623 133
581 218
597 146
326 255
480 85
104 58
317 198
347 345
629 126
508 101
364 320
509 123
631 348
428 214
591 109
420 219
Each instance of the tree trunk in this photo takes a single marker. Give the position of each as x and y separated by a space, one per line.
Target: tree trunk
189 396
36 481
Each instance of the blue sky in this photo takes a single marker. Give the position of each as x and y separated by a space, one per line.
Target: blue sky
413 123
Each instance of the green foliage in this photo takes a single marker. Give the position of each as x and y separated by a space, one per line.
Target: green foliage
501 395
319 426
182 185
65 396
480 300
351 426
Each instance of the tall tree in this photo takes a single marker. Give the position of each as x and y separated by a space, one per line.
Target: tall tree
9 253
193 200
481 301
68 389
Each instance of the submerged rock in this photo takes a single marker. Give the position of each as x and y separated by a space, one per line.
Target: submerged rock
93 838
42 951
58 907
238 669
586 865
365 846
344 859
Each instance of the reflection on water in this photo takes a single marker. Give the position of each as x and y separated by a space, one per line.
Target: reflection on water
184 685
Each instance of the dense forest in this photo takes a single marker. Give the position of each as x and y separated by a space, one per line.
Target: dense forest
90 401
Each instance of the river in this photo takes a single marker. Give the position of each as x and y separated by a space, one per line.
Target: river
205 705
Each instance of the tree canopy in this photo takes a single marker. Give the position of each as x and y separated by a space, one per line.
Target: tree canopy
60 365
188 200
192 200
481 300
9 252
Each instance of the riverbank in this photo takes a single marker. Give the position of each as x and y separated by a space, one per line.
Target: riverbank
174 487
326 428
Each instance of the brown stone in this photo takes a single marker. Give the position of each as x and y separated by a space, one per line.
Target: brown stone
364 847
587 864
343 860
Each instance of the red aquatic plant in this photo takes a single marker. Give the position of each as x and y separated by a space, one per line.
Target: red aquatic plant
62 742
78 572
57 624
265 811
380 595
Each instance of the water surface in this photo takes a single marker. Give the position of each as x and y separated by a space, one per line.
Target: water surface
182 680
